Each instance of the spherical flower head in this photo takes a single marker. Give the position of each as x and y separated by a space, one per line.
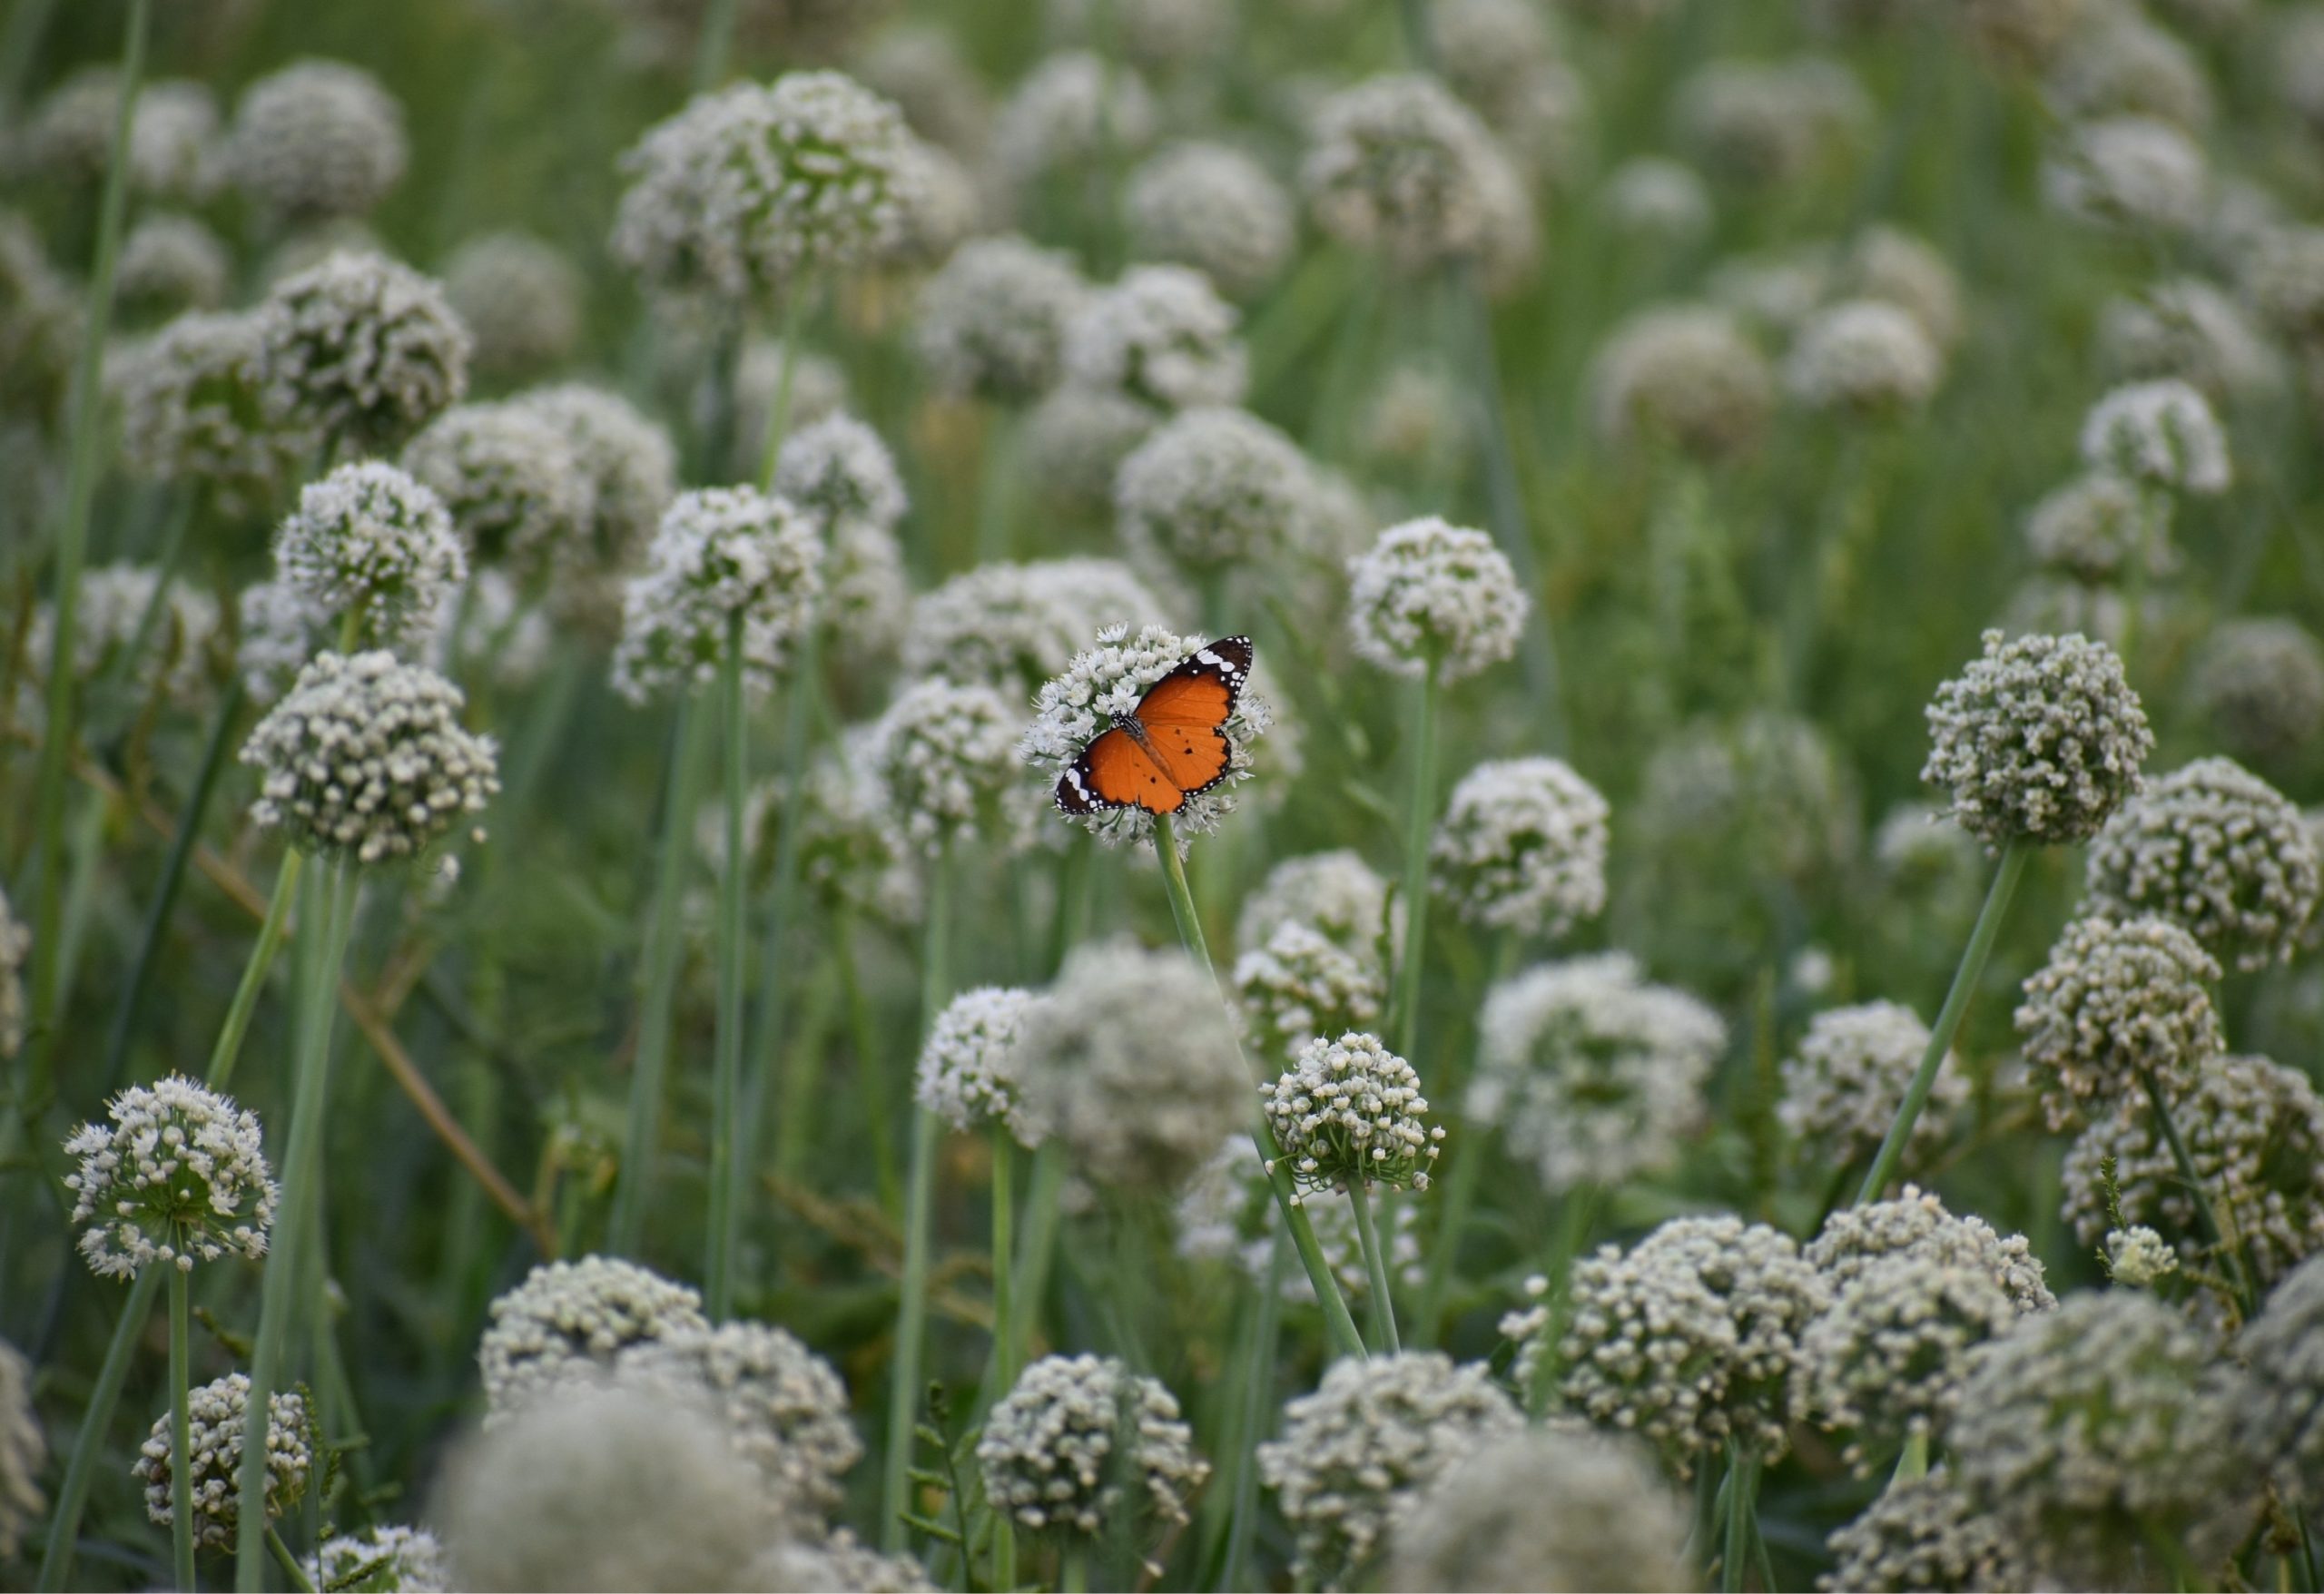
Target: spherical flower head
23 1453
945 754
361 349
2258 685
1014 626
1924 1533
1863 357
1336 893
193 410
368 540
1350 1112
1102 686
1767 122
2189 330
867 596
511 482
1214 208
923 68
719 553
631 469
1067 113
1161 335
1553 1507
1212 489
365 756
969 1065
837 469
2284 277
1593 1075
2218 850
316 141
2280 1418
179 1177
992 319
1132 1064
1522 847
279 628
1654 197
1683 377
1397 164
172 660
851 849
2126 66
1885 1361
520 298
567 1317
2120 1002
388 1558
2254 1131
750 189
2040 739
1692 1338
812 1557
1075 439
1300 985
1073 1435
169 264
1855 1239
1360 1450
40 319
217 1415
1432 597
1842 1084
2091 527
2131 173
2088 1429
783 1406
2139 1257
2162 434
15 946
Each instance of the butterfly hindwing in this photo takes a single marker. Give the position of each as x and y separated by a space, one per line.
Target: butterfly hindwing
1113 771
1178 747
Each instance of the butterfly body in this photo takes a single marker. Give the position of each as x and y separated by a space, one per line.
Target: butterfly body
1172 746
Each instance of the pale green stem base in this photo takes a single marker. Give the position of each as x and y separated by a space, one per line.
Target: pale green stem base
1416 827
270 930
1258 1399
292 1572
1375 1267
726 1061
1742 1502
1004 1322
181 1431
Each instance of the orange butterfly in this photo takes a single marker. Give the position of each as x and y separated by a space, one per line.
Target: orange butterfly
1172 746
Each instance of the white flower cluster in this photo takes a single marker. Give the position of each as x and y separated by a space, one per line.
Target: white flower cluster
1682 376
2254 1131
1654 197
2120 1002
1161 335
2282 1418
1350 1111
968 1066
169 264
1552 1507
1067 113
1103 685
69 132
2088 1429
1359 1450
1692 1338
1430 595
361 349
2162 433
838 470
938 204
836 1559
279 628
1076 438
1212 489
1014 626
1299 985
1212 207
2139 1257
1399 165
1132 1064
992 319
632 469
23 1453
219 1413
511 481
109 623
2040 738
945 755
2134 174
371 541
784 1407
2189 330
1593 1075
1073 1435
366 755
194 408
719 553
316 141
179 1177
2096 525
747 190
1922 1533
1863 356
568 1316
1337 893
1522 847
1228 1212
2216 850
520 298
1856 1239
1842 1083
1769 122
851 849
2259 685
408 1561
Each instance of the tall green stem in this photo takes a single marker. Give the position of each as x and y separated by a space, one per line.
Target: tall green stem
71 549
2213 1230
777 970
88 1445
996 489
1258 1399
1339 1325
1742 1502
871 1070
642 1138
711 48
330 918
181 1431
229 1050
2013 855
727 1064
1375 1267
1004 1322
778 414
1416 823
912 1316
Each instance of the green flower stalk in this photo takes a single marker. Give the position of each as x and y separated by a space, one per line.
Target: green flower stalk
911 1311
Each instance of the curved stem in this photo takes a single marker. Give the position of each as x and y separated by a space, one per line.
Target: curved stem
2013 855
1376 1266
1416 823
912 1313
2213 1230
727 1062
180 1431
64 1523
270 930
292 1572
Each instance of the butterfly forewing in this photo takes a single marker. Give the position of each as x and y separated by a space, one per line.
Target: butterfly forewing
1182 722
